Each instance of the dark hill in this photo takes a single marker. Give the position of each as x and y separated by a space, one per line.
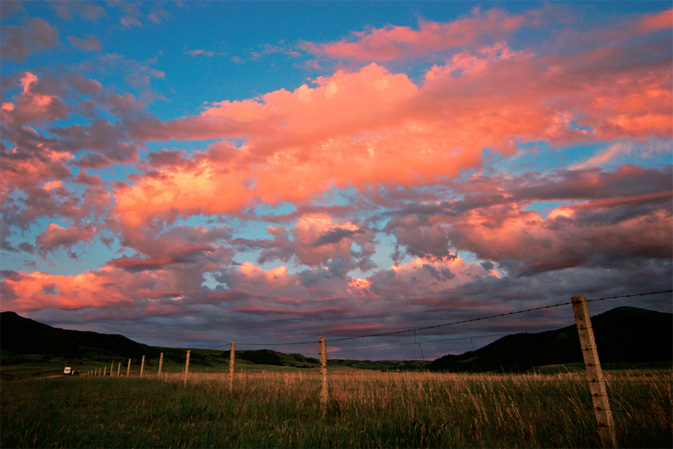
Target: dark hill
25 336
623 335
267 357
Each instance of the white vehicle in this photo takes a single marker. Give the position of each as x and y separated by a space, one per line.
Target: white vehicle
67 371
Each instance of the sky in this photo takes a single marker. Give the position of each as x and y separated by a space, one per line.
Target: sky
193 173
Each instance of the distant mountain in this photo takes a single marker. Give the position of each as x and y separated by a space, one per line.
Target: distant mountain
25 336
623 335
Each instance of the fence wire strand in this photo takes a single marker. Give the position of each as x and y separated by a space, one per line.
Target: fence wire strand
453 323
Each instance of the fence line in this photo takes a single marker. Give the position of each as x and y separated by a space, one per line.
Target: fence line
595 378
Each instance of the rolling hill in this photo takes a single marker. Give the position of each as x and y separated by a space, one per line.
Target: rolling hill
623 335
21 336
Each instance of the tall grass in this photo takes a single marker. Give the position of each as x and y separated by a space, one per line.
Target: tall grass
365 409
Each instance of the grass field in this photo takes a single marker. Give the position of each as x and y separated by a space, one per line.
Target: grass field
365 409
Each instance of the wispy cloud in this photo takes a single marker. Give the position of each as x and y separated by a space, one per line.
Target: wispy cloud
89 43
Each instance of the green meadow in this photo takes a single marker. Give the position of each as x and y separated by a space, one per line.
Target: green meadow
282 408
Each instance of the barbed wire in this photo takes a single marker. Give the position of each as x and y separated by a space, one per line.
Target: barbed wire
453 323
383 348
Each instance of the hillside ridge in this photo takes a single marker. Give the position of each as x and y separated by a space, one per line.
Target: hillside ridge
623 335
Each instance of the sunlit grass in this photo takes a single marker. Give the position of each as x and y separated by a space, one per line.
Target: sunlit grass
366 409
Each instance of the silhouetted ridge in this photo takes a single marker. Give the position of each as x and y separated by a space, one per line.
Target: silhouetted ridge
623 335
25 336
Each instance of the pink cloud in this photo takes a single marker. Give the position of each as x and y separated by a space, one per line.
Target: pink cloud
428 276
659 21
33 105
201 52
36 291
55 237
205 189
317 239
373 127
570 236
26 173
397 42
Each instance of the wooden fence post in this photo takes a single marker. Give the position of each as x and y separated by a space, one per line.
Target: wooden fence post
599 392
324 395
119 368
187 366
142 366
128 369
161 363
232 364
112 365
104 370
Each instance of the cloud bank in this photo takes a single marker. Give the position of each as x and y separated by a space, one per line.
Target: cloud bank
447 170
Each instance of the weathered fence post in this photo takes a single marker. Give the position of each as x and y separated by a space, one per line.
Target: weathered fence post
187 366
119 368
104 370
112 365
142 366
324 395
232 364
599 392
161 363
128 368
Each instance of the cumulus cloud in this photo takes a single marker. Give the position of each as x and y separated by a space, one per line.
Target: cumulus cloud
19 42
606 218
38 102
56 237
372 126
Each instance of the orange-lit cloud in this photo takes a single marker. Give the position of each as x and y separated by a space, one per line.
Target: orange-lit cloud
35 291
398 42
182 192
375 127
